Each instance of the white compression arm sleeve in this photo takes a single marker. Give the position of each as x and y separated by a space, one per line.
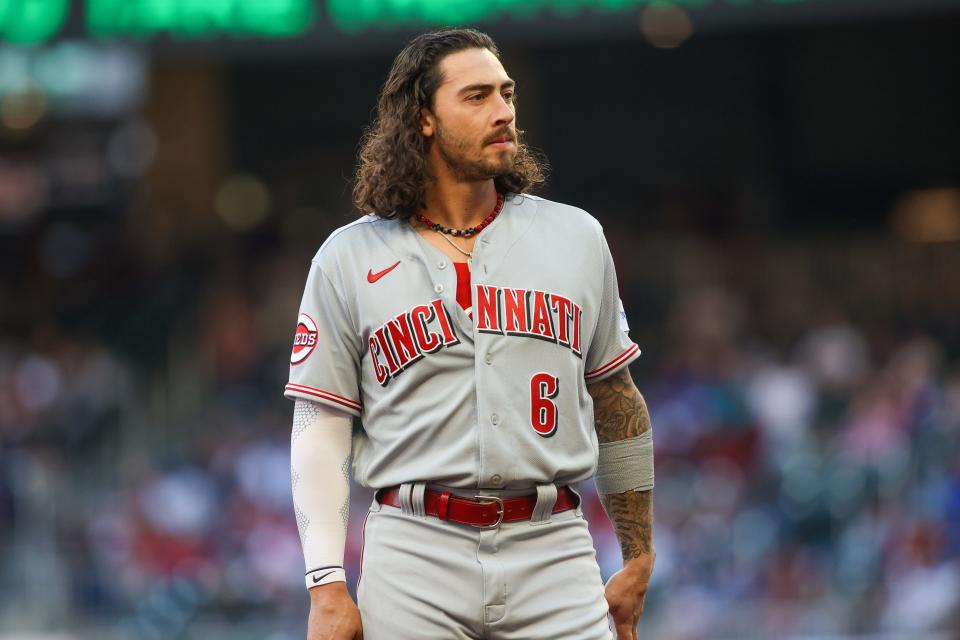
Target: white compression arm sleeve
320 476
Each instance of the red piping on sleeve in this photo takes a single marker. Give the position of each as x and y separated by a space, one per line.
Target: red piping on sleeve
326 395
631 350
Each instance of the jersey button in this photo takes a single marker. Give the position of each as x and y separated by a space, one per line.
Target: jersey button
488 359
494 419
442 264
495 479
438 288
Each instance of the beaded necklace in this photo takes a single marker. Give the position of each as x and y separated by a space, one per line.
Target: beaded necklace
469 231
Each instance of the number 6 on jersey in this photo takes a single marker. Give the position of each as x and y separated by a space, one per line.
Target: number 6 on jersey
543 411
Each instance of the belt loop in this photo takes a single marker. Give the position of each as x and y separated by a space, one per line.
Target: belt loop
417 499
546 498
406 506
575 488
375 504
444 505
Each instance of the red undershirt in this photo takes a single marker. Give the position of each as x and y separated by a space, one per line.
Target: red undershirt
463 284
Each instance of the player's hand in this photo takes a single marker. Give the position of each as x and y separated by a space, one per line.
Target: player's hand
333 614
625 592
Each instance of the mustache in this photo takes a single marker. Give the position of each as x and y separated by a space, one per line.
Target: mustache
506 132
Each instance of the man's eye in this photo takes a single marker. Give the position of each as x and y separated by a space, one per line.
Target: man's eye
476 96
509 95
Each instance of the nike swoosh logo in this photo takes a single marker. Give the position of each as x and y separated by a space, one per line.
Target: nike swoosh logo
316 579
373 277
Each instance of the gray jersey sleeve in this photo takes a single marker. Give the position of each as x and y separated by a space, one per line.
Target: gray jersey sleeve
325 359
611 347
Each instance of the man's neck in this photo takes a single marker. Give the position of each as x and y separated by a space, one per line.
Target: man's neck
460 204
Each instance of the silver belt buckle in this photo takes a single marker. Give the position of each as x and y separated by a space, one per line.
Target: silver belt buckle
497 500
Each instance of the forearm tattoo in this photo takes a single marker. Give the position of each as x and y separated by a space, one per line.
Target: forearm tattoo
620 412
632 516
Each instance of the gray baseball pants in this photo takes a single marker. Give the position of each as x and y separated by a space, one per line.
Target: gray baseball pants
422 578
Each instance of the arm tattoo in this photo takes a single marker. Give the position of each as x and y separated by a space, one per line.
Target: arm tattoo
620 412
632 516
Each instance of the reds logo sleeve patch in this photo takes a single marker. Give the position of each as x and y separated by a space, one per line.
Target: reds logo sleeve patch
304 340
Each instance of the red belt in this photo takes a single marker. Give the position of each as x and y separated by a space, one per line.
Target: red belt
482 510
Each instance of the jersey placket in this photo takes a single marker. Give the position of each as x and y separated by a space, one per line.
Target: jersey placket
493 457
443 276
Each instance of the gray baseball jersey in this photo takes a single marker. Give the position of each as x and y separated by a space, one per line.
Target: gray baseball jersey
491 397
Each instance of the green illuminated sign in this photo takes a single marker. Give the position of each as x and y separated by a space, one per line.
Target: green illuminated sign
199 18
353 15
27 22
32 21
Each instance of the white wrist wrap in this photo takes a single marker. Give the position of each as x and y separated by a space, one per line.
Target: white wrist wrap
320 477
625 465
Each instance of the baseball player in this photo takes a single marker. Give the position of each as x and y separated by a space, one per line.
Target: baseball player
477 333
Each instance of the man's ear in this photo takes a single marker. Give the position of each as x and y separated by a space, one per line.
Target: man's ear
427 122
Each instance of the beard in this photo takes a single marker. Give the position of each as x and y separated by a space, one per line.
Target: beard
465 163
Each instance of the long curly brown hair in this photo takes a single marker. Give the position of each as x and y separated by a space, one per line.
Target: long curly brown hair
392 172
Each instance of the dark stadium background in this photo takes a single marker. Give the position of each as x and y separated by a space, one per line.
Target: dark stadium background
780 185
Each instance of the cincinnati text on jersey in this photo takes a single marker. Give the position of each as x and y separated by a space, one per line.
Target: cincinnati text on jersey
426 328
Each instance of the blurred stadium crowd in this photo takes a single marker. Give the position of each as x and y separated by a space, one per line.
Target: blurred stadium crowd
806 418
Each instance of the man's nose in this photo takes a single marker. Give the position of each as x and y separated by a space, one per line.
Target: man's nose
503 111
